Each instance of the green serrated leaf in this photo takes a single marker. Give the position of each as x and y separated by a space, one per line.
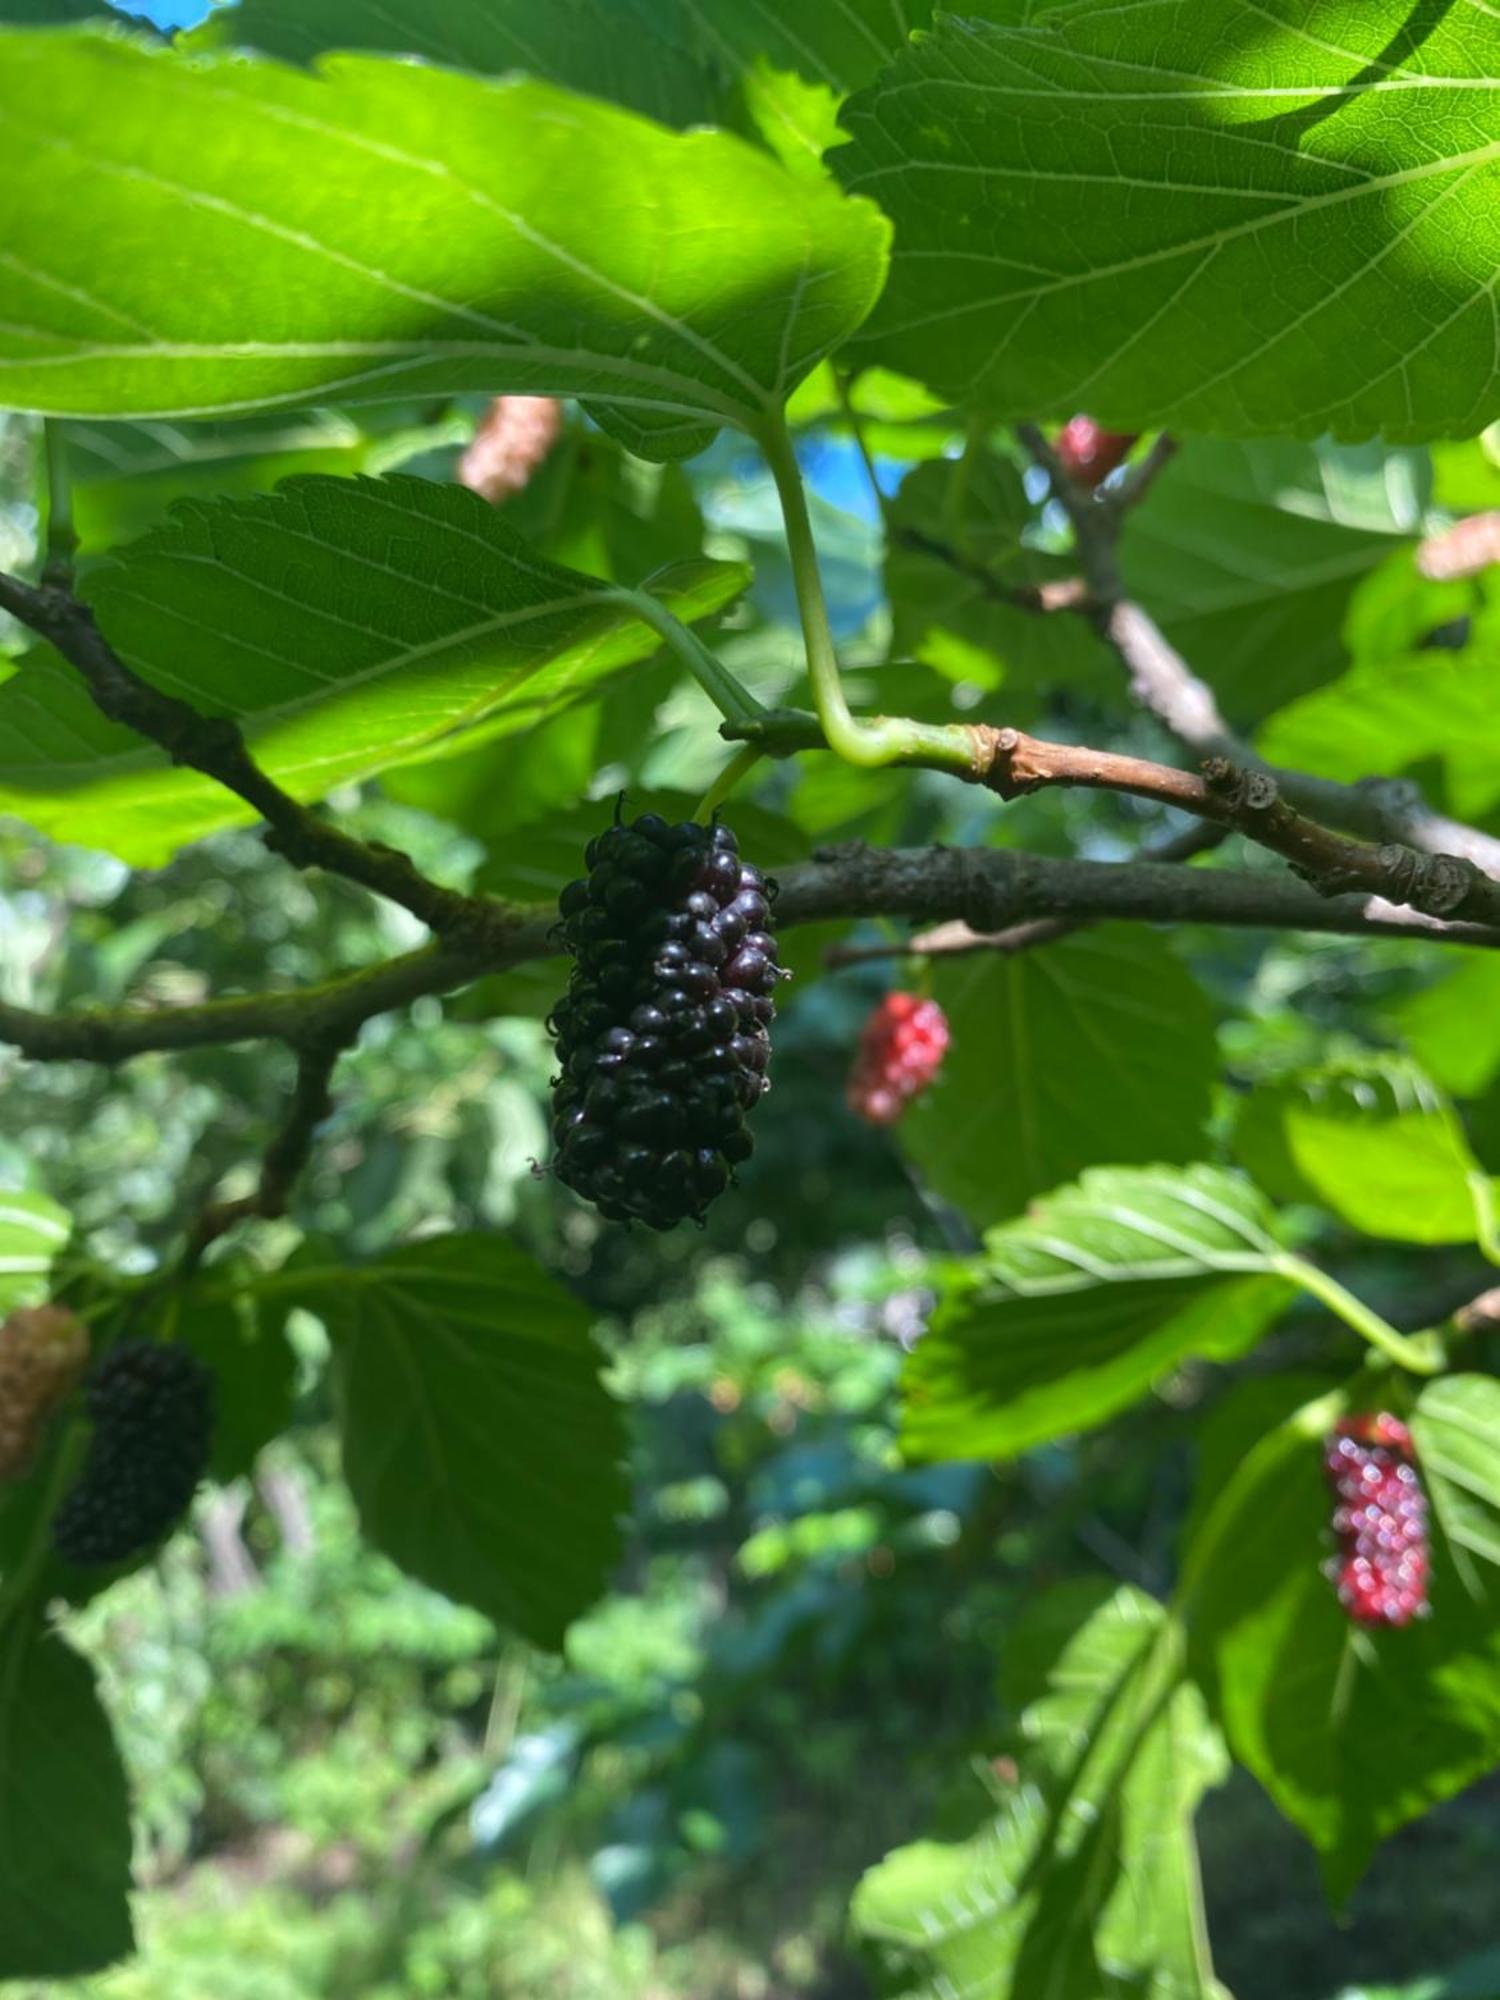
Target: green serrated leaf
32 1231
410 230
484 1455
1247 555
641 54
1101 1047
64 1813
1453 1028
1374 1141
1211 217
1077 1309
1084 1885
345 624
1384 717
1353 1732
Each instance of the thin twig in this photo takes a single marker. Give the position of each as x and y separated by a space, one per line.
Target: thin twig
1384 810
285 1157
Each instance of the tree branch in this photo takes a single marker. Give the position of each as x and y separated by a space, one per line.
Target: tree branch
987 889
285 1157
956 939
1010 762
1383 810
214 746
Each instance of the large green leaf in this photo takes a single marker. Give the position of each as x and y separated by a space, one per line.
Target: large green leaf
1099 1048
1353 1732
1374 1141
680 61
943 612
126 475
64 1812
344 623
1384 717
795 64
1075 1310
1247 554
1453 1028
1222 217
483 1453
1084 1885
32 1231
384 228
638 53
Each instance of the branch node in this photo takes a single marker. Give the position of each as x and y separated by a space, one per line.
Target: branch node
1436 883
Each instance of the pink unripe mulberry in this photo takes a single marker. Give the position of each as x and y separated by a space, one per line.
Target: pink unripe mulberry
513 439
1380 1521
900 1052
1089 454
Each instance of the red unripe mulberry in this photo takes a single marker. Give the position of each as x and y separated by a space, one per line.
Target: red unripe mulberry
900 1052
1089 454
1380 1520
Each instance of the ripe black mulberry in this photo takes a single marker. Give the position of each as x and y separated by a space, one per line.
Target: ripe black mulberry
662 1034
153 1414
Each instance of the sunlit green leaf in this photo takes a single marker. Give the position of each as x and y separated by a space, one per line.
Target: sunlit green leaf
1453 1027
1084 1885
32 1231
385 229
1374 1141
345 624
1383 717
1217 217
1075 1310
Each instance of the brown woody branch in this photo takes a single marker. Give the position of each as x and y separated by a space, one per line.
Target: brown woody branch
956 939
1008 761
285 1157
214 746
987 889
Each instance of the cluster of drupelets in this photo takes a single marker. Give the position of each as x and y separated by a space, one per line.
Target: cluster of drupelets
150 1411
900 1053
662 1033
1380 1521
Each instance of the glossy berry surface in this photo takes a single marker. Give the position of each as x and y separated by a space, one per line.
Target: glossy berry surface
1089 453
1380 1520
153 1414
662 1035
900 1052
